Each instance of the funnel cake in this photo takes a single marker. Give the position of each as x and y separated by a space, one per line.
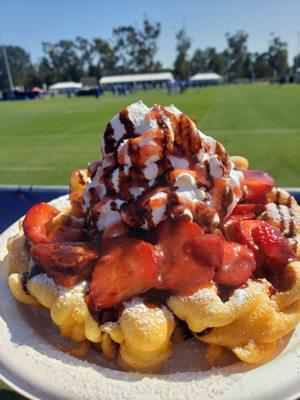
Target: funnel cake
166 238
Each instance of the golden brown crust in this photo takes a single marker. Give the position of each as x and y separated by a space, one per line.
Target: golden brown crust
249 323
18 258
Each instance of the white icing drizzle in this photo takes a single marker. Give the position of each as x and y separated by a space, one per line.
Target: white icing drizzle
179 162
150 147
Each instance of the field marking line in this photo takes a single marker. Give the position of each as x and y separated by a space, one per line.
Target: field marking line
219 130
207 114
85 130
24 169
268 130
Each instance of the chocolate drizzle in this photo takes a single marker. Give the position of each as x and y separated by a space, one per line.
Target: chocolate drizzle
34 269
109 140
281 216
128 124
142 167
222 153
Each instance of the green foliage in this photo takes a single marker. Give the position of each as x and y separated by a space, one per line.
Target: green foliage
278 56
41 141
63 60
105 56
236 62
182 64
133 49
261 66
237 56
19 61
208 60
296 62
130 50
86 49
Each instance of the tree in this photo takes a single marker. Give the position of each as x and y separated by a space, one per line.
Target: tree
135 49
105 57
63 59
126 47
248 67
148 47
237 54
86 50
20 65
182 64
198 62
296 62
207 60
46 72
261 65
32 77
278 56
217 62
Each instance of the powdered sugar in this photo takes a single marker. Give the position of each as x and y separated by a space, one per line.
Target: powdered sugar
46 283
139 311
239 297
281 216
29 359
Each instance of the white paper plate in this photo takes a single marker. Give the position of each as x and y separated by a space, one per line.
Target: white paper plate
31 364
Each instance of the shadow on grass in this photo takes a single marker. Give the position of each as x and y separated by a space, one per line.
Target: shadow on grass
6 394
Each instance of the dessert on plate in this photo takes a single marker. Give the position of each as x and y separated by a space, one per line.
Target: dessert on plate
165 238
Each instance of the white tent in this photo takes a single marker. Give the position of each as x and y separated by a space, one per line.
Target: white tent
65 87
158 77
206 78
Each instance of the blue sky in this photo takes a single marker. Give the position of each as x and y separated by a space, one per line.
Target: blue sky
29 22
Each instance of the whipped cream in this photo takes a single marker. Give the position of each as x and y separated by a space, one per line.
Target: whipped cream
157 164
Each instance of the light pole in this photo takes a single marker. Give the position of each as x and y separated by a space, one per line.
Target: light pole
10 80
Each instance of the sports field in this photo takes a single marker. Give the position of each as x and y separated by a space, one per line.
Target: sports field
41 141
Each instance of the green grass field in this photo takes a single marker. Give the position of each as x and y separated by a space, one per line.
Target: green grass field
41 141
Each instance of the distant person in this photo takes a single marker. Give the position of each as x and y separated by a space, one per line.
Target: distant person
183 86
169 87
122 90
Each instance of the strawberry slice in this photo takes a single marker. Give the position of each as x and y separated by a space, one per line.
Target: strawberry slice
65 233
241 212
258 184
248 210
37 226
190 256
269 245
274 248
241 231
238 265
128 268
36 220
65 263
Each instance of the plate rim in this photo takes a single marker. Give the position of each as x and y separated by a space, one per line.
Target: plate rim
16 388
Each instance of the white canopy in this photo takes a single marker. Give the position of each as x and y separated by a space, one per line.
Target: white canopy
136 78
65 85
206 76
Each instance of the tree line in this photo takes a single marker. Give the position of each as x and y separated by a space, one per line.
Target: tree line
134 49
236 62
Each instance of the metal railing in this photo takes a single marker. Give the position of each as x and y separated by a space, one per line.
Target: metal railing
16 200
